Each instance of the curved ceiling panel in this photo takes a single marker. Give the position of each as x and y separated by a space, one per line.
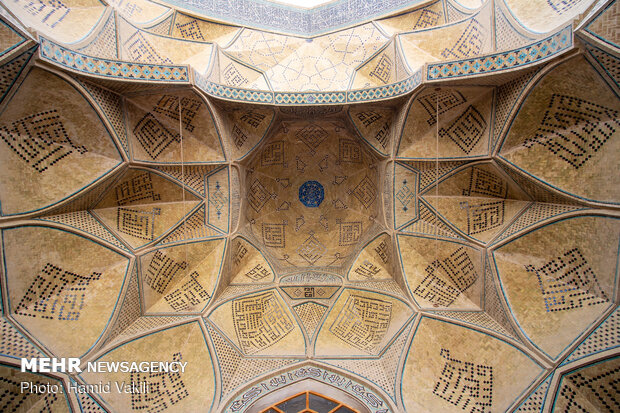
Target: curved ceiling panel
191 28
322 63
260 324
375 261
566 132
541 15
246 128
68 20
603 25
181 278
190 390
248 264
9 38
559 279
448 123
142 206
58 289
361 323
442 274
479 201
376 126
141 46
158 137
468 38
444 372
52 131
29 398
428 16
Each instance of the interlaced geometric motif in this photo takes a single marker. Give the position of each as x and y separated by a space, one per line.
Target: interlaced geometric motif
258 195
190 30
466 130
258 273
567 282
365 192
574 129
383 69
140 50
561 6
469 43
594 388
56 294
51 12
311 249
260 321
465 385
233 77
40 140
349 232
138 188
187 296
154 136
363 322
12 399
273 235
165 389
273 154
139 224
349 151
483 217
168 105
485 183
254 119
312 135
161 271
427 18
436 103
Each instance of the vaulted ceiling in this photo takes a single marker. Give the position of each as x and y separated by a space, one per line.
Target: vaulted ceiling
411 207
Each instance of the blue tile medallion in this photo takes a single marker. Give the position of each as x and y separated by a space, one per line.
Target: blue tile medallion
311 194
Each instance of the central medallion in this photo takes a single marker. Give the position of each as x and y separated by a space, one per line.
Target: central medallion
311 194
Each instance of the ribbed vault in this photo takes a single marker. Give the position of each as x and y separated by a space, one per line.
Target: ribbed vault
403 209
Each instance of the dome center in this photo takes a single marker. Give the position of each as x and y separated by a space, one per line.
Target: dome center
311 194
